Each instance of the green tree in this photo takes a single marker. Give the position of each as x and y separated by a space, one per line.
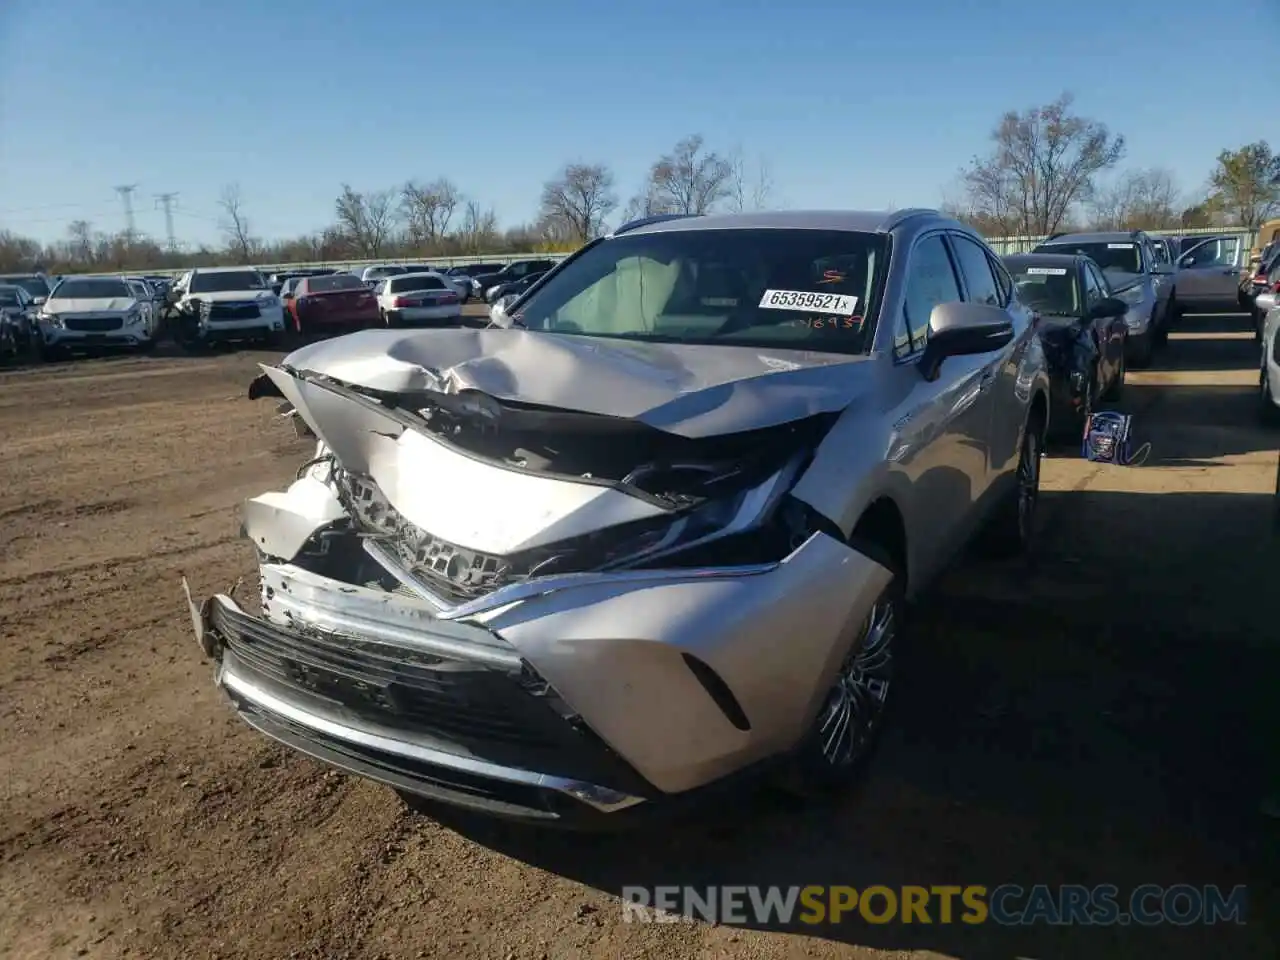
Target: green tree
1245 183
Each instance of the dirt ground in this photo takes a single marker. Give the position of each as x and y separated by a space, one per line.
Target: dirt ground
1108 717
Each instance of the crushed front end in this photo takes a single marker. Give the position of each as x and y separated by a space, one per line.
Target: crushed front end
543 615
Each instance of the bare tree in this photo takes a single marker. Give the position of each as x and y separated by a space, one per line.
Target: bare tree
366 219
428 209
479 226
689 179
578 199
1245 184
80 242
1045 161
749 190
1138 200
234 224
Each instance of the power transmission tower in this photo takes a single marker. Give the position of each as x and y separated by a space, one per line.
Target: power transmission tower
126 197
165 200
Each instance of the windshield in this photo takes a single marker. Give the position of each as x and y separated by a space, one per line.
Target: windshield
91 289
226 281
377 273
805 289
1048 290
35 286
1113 256
339 282
404 284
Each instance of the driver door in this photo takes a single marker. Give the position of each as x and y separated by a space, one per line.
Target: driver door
1209 275
942 425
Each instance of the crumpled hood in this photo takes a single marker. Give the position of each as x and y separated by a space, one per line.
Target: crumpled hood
687 389
234 296
91 305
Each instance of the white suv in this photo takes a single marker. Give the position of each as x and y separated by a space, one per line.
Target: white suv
227 303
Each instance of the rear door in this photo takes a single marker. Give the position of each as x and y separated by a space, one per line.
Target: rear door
1209 274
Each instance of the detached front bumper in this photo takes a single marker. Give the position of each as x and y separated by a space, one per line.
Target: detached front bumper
568 700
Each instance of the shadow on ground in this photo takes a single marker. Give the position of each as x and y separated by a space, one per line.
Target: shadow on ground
1106 720
1209 341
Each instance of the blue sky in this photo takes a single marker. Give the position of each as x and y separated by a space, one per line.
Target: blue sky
853 104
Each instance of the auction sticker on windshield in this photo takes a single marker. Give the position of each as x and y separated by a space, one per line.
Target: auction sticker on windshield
841 304
1047 271
1119 246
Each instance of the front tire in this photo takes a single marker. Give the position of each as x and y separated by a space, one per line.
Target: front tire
842 738
1115 389
1011 534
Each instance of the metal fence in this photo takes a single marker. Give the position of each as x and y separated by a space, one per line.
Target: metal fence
1005 245
1002 245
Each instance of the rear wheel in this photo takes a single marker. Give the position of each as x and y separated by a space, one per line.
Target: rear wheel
843 735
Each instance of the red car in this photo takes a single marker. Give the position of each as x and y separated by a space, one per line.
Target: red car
332 304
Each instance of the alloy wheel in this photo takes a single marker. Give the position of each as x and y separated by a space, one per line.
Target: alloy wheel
856 704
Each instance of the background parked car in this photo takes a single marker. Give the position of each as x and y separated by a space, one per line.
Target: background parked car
36 284
371 276
332 304
18 311
418 299
1267 297
1269 375
87 314
1083 330
1135 276
1212 275
512 271
472 270
513 288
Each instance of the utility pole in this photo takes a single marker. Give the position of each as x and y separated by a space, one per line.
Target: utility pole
165 200
126 197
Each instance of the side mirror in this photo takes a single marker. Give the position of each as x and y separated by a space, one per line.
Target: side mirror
1109 307
1187 261
498 315
961 329
39 301
286 294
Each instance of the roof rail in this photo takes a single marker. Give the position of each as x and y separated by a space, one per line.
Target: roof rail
656 218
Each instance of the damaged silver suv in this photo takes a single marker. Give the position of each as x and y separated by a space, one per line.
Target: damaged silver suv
654 532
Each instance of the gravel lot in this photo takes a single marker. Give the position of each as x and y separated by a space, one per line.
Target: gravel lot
1105 718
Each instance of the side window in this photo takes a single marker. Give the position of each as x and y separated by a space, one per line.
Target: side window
1004 282
1208 254
976 268
931 280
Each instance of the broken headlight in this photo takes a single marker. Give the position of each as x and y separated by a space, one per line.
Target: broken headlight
738 528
